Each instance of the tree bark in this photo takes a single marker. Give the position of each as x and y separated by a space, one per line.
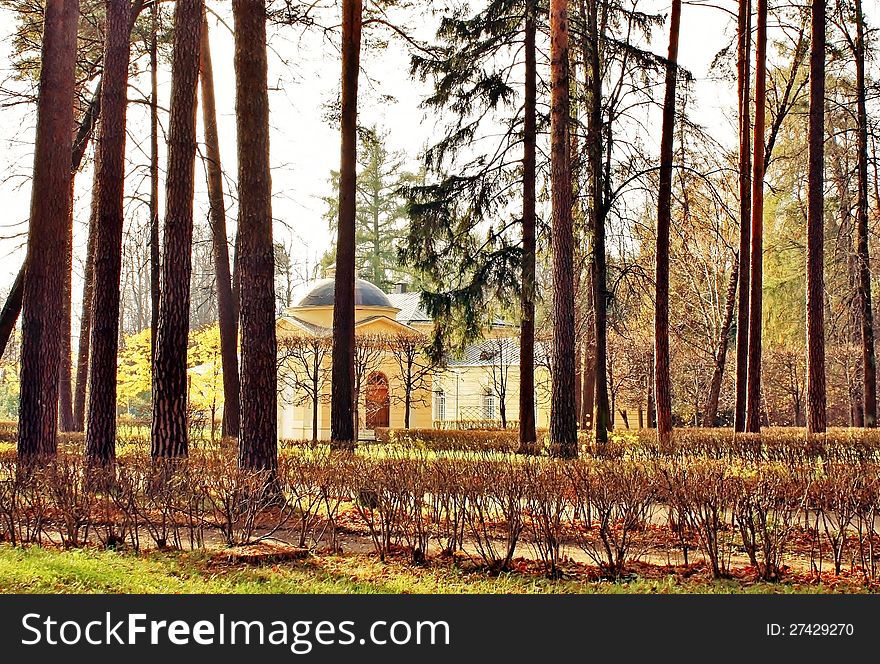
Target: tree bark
662 389
563 417
85 324
65 369
50 202
756 260
603 420
745 212
217 216
527 435
155 267
710 414
816 415
258 441
170 435
869 359
101 429
343 397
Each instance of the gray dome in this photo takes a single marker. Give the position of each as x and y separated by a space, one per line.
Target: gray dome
365 294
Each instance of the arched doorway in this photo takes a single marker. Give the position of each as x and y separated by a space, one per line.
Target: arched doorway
377 401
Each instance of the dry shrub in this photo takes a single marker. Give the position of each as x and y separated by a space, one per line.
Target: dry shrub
301 482
548 504
378 488
10 492
494 440
115 514
767 503
867 505
69 498
236 499
699 492
448 505
161 486
493 490
614 502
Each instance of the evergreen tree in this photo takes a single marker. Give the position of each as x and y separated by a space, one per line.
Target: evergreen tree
343 395
380 218
258 440
110 178
816 397
50 202
170 435
463 242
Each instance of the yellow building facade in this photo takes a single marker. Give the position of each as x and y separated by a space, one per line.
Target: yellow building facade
480 388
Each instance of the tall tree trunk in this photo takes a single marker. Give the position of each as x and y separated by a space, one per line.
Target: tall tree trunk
743 86
217 216
662 389
65 369
753 393
154 181
170 435
869 360
50 202
563 417
85 324
343 397
816 416
604 414
258 446
101 429
710 414
527 435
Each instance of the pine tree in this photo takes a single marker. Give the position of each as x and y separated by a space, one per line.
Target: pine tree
50 201
563 415
869 358
219 243
816 415
380 210
462 242
342 388
756 258
258 440
743 74
527 435
170 435
107 256
662 386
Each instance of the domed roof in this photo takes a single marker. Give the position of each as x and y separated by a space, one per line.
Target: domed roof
365 294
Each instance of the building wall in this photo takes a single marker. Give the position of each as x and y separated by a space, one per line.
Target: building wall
295 420
466 388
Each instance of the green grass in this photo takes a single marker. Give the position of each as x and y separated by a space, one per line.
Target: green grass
38 570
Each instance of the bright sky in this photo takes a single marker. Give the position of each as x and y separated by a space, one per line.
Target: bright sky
304 75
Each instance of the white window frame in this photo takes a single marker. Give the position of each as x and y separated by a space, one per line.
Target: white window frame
440 405
490 405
